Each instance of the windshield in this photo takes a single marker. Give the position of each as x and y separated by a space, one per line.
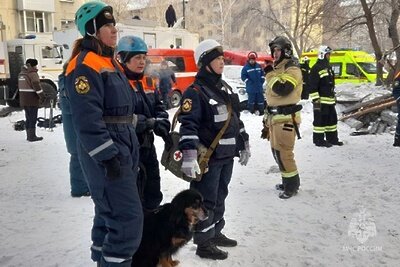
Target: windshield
368 67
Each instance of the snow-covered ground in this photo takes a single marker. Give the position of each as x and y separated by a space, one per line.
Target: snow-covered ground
346 213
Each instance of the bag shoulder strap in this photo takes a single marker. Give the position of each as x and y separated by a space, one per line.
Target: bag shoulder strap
221 132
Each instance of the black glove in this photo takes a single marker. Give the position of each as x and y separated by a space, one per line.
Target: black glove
162 127
113 168
150 123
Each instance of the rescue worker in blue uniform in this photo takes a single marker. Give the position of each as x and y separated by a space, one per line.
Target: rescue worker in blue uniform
253 76
78 182
283 117
152 117
321 84
396 95
204 111
102 105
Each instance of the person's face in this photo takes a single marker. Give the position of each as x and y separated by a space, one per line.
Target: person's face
277 53
252 61
328 56
217 64
107 34
137 63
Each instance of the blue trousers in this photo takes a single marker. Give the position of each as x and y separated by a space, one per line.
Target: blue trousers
118 219
255 98
77 178
214 188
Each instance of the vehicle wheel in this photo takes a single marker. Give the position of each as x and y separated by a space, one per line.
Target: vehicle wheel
50 93
176 98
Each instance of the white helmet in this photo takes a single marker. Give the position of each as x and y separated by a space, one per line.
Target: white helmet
323 50
204 48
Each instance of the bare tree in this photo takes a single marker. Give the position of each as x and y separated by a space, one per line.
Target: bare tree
224 21
299 20
394 35
120 8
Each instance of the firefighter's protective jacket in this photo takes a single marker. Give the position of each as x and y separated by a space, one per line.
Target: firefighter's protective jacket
322 83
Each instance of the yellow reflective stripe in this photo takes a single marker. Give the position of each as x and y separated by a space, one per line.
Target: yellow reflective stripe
321 72
289 174
332 128
284 118
289 78
323 75
318 129
273 81
314 95
327 100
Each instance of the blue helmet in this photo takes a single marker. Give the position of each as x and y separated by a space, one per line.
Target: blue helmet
132 44
128 46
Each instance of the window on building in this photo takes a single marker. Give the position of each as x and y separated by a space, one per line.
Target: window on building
36 21
178 42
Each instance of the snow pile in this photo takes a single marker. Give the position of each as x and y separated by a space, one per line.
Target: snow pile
346 213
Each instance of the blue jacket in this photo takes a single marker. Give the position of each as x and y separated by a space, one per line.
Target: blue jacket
203 114
254 77
166 76
97 88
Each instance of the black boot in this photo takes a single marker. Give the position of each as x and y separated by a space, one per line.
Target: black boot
279 187
336 143
323 144
209 250
287 194
222 241
31 135
396 140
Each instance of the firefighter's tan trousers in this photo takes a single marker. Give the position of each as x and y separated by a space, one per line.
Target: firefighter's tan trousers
282 138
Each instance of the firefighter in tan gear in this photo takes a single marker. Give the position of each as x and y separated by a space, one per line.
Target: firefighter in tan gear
282 118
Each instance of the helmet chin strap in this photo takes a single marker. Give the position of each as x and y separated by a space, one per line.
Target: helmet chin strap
95 30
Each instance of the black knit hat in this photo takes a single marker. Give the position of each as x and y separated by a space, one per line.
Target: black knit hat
103 18
31 62
211 55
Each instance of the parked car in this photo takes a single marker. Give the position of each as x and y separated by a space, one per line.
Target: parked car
232 75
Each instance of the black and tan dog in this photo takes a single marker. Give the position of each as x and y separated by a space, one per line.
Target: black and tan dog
169 228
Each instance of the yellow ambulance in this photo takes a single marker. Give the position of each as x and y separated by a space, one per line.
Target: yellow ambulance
349 66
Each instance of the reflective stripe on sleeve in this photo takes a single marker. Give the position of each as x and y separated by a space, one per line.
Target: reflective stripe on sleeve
101 148
190 137
227 141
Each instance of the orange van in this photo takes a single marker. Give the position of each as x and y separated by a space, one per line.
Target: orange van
181 62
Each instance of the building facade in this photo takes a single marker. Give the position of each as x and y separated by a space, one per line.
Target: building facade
21 18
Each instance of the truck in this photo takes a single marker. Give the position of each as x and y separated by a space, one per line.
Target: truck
14 53
181 62
240 58
154 36
349 66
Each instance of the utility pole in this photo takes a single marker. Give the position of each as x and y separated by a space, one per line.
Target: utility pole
183 9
